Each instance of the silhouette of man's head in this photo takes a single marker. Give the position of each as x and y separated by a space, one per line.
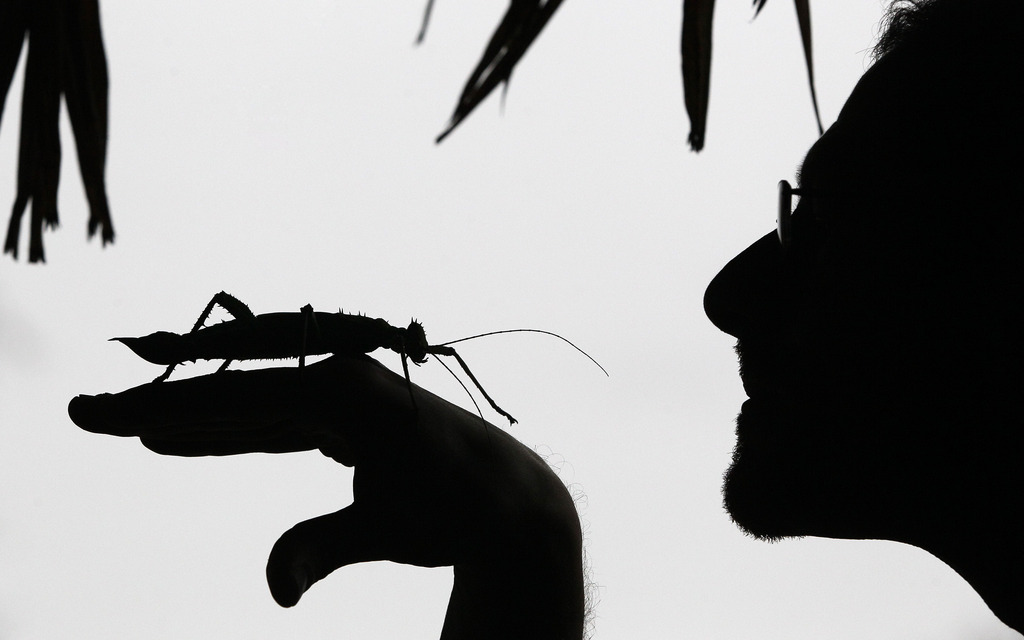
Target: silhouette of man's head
882 349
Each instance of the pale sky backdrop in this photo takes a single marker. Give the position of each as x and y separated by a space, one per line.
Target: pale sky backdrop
284 152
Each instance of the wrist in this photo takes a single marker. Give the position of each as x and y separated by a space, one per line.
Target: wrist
530 588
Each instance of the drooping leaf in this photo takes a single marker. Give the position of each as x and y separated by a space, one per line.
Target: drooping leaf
696 63
695 47
84 72
426 21
14 19
65 57
803 16
521 25
13 25
39 152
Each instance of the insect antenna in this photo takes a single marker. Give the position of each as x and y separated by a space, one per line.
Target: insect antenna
549 333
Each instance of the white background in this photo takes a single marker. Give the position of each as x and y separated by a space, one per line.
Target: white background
284 153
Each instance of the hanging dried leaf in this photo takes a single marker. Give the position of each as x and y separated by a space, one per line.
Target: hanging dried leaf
696 64
426 21
13 18
65 57
696 52
523 22
803 16
84 70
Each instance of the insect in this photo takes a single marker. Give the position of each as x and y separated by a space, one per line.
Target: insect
288 335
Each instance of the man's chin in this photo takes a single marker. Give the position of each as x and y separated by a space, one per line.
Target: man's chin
766 487
754 507
799 470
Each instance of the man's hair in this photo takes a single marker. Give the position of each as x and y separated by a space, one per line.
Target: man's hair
963 61
961 25
903 18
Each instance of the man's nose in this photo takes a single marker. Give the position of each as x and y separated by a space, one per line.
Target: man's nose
747 294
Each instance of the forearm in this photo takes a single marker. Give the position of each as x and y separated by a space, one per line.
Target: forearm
536 595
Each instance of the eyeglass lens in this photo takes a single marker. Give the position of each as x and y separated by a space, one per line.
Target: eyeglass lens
785 214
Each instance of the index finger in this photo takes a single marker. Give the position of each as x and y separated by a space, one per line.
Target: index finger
223 414
214 402
271 410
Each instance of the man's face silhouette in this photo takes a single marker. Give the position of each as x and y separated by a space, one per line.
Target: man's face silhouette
867 341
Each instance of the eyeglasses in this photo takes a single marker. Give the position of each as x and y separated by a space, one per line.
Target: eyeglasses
785 218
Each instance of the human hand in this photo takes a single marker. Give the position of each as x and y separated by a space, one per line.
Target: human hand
433 485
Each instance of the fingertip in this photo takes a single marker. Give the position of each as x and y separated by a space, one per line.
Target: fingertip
287 583
82 411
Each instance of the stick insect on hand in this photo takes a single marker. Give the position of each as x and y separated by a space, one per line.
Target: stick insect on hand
446 494
288 335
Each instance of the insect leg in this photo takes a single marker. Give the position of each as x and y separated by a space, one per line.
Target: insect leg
464 388
408 381
232 305
308 318
448 351
238 309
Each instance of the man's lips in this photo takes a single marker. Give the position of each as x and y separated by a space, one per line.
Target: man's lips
753 406
768 374
765 390
756 371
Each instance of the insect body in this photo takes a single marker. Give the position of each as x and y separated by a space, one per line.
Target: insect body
290 335
272 336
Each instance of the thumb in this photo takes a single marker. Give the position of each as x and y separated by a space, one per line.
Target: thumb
311 550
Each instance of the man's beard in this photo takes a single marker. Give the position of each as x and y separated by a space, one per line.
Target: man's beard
815 469
758 491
